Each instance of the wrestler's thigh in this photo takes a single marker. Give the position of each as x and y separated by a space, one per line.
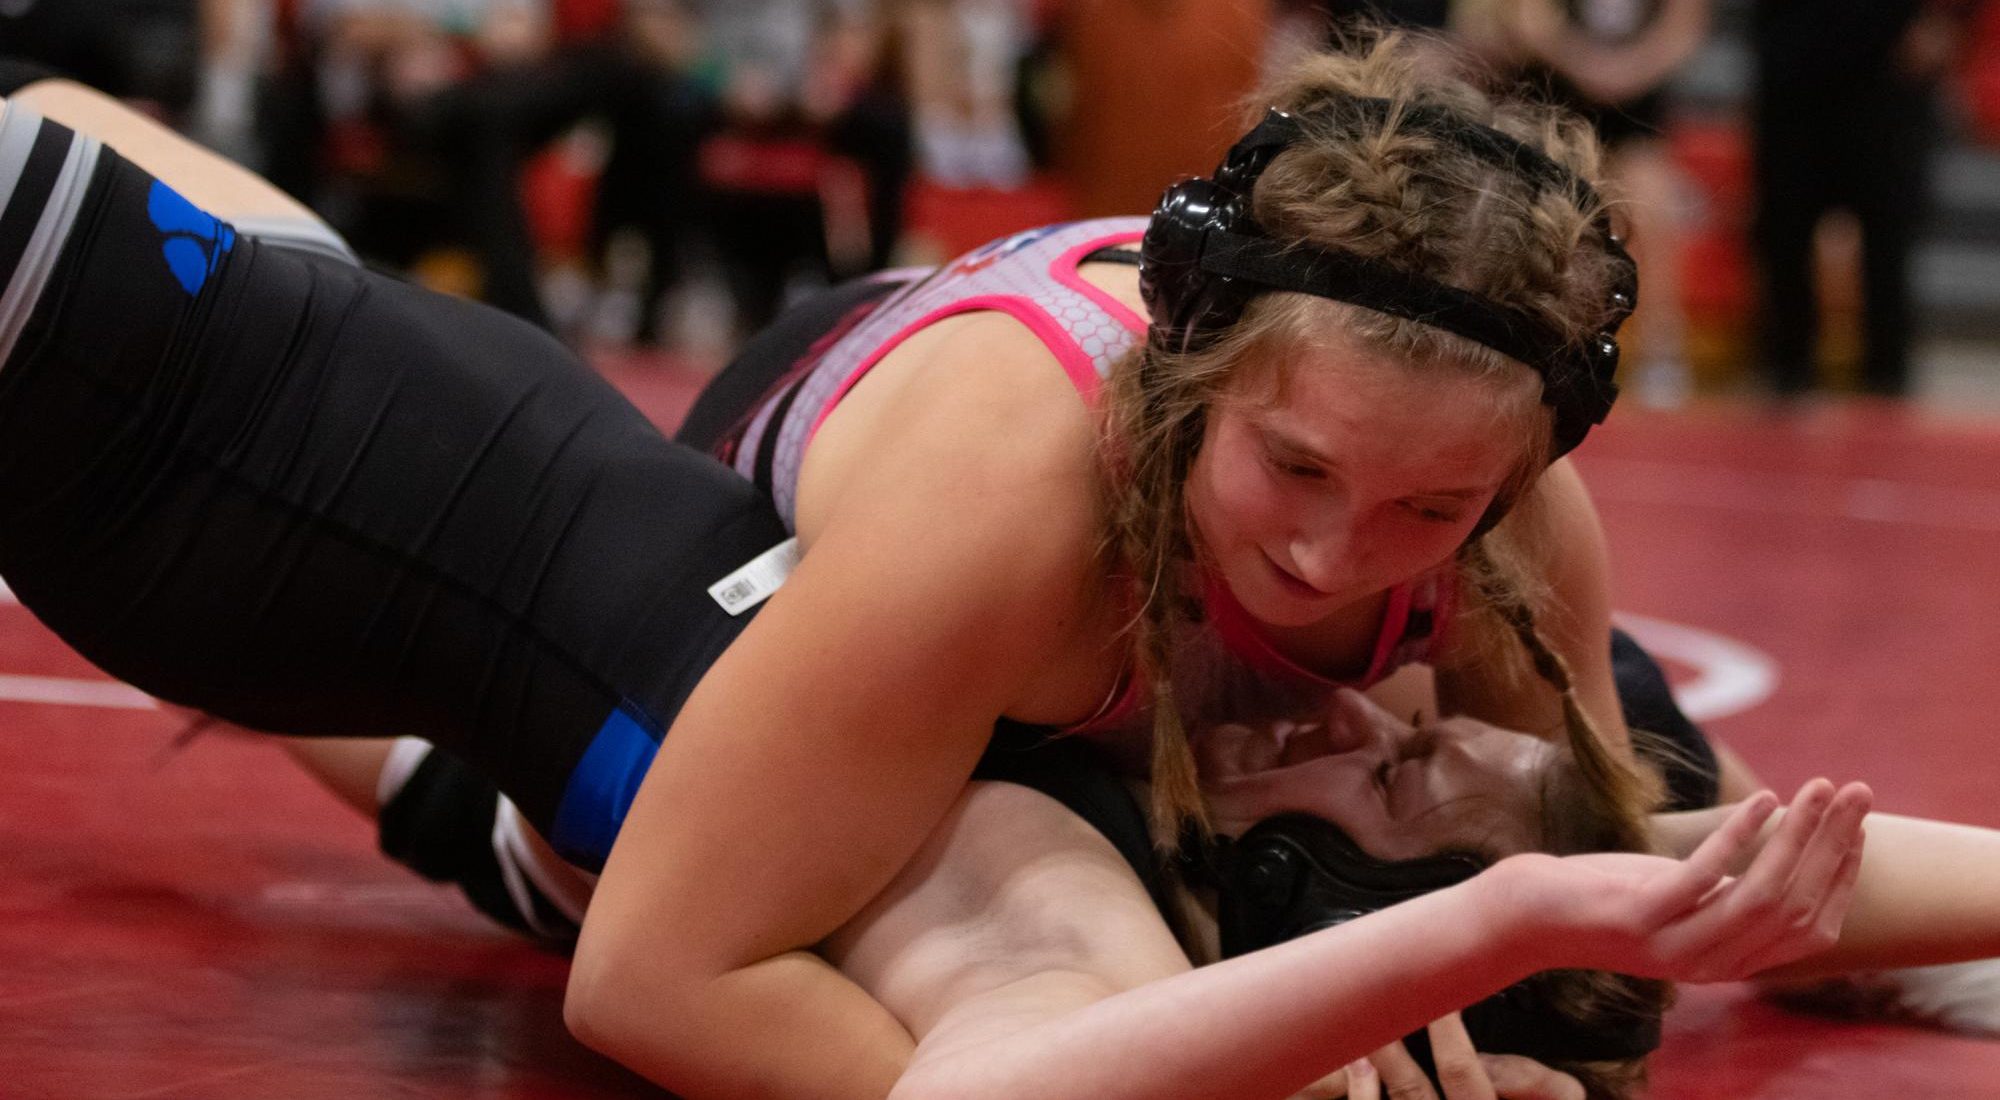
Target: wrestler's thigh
218 185
309 499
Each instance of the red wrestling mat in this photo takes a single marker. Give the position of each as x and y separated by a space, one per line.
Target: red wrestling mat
205 924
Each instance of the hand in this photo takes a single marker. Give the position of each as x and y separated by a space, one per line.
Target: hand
1465 1073
1690 920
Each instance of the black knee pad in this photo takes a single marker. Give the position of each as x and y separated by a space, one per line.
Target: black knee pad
441 824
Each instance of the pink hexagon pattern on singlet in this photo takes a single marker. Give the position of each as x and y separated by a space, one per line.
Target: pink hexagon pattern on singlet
1030 276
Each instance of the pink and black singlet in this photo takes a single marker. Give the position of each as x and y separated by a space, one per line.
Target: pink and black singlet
1033 277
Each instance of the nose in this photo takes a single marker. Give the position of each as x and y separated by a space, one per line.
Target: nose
1366 726
1320 548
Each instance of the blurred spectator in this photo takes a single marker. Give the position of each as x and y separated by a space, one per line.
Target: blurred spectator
1844 120
1612 61
965 64
1156 93
236 37
806 173
427 111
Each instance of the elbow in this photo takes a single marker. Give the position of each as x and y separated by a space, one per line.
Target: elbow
590 1008
615 1010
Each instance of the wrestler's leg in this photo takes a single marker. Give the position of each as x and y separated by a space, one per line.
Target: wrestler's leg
349 767
223 188
317 501
353 769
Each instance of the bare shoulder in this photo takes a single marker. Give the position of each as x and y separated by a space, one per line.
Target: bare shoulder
968 433
1559 541
1568 546
1011 886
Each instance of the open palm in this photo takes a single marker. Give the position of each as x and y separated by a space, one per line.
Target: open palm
1692 919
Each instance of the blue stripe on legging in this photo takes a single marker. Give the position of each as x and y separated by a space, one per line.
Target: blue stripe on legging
601 790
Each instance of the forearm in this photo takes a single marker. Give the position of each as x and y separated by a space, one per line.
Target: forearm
788 1026
1929 892
1263 1025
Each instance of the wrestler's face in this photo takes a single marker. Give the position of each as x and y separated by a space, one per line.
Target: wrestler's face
1339 475
1400 791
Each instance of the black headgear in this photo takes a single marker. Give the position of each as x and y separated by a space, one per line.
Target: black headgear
1204 257
1292 875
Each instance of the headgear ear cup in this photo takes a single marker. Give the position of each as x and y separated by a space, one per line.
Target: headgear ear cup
1187 304
1181 299
1292 875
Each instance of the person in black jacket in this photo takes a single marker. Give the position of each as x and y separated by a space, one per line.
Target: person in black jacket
1843 111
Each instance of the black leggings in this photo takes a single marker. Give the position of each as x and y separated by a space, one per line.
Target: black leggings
313 500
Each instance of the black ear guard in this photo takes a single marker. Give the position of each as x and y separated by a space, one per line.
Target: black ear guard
1204 257
1293 875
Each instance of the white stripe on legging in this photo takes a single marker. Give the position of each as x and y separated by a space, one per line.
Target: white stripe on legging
18 300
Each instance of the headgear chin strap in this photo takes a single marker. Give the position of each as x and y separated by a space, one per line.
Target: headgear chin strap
1295 874
1204 257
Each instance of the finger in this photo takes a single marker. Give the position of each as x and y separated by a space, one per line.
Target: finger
1363 1083
1710 863
1402 1077
1826 924
1459 1073
1331 1087
1833 913
1717 854
1762 885
1838 835
1749 922
1770 930
1518 1078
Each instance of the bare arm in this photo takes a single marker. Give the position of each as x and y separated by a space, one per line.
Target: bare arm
1028 961
1929 892
1570 556
922 610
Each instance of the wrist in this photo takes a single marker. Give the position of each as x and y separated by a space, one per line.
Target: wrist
1518 913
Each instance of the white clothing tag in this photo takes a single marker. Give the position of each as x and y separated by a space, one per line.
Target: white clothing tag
753 584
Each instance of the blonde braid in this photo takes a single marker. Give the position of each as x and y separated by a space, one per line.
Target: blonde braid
1622 791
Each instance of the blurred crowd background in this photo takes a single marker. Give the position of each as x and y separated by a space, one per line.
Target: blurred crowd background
1813 185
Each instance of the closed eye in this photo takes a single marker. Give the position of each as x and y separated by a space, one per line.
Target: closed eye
1289 468
1433 513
